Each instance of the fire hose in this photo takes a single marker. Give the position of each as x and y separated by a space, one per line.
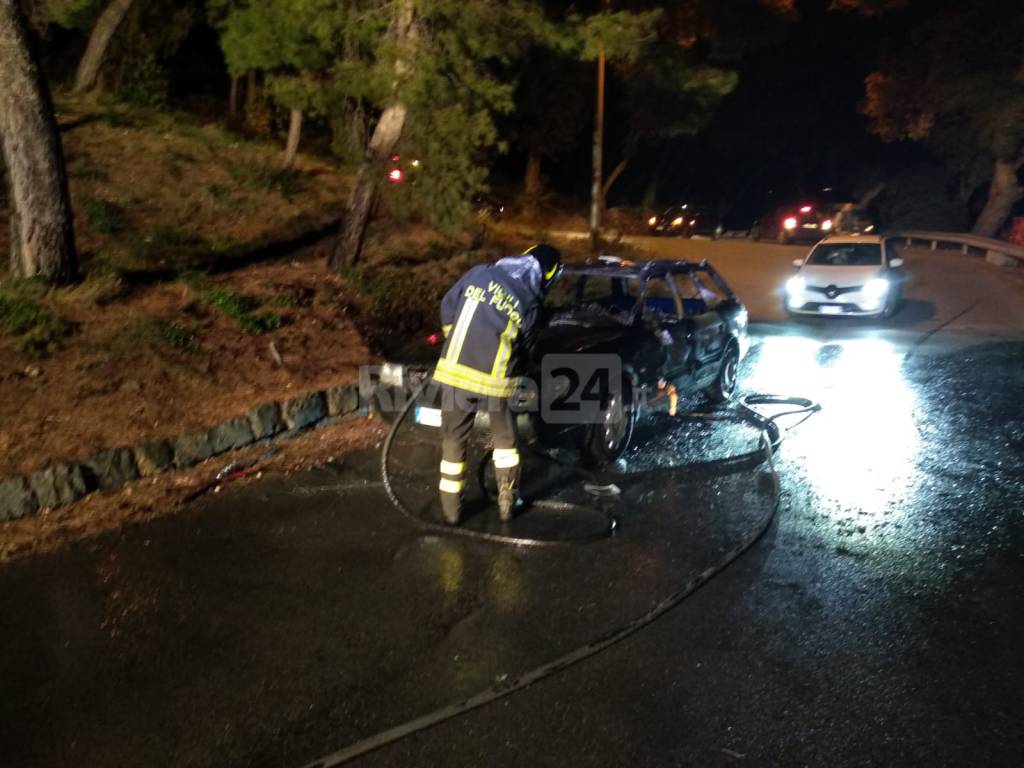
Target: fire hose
770 439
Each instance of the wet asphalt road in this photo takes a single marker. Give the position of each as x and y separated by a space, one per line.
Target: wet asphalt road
879 621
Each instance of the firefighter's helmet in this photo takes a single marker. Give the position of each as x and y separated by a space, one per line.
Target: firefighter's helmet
550 260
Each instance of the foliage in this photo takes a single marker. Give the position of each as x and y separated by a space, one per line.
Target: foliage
552 103
623 36
242 307
36 329
145 83
231 303
963 64
104 217
169 245
289 182
392 299
337 61
180 337
959 86
74 14
461 79
923 197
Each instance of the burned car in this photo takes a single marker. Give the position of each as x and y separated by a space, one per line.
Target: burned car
674 325
671 326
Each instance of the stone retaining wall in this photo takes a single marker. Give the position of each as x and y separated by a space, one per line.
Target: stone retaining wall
62 483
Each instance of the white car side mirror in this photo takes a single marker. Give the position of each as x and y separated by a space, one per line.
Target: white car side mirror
896 263
798 263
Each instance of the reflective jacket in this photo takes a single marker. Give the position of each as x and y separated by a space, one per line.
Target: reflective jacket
483 315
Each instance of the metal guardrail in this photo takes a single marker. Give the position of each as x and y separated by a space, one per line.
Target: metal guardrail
998 252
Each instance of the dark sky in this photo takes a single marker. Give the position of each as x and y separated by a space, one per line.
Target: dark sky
791 128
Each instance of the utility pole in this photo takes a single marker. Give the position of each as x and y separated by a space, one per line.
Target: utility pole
596 190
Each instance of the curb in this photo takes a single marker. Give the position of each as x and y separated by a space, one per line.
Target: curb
62 483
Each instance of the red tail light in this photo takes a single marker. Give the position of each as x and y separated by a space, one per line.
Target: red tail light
396 176
434 339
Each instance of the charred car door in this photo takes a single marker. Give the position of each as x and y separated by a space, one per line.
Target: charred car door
662 315
707 331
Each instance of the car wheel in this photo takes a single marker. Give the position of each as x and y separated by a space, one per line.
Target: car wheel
605 441
728 374
892 306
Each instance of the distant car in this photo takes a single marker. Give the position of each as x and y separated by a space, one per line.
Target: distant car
801 223
847 275
684 221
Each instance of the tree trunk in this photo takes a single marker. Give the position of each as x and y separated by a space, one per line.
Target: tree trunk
596 186
42 226
251 90
612 178
1003 194
291 149
99 40
871 195
382 145
360 203
533 184
359 127
233 97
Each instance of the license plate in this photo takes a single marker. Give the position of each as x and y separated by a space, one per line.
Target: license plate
428 417
830 309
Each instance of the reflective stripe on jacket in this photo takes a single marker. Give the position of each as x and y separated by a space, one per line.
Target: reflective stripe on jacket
484 314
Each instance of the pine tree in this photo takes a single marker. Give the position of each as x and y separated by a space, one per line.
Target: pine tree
42 235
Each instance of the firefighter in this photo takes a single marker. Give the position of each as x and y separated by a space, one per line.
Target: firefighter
487 317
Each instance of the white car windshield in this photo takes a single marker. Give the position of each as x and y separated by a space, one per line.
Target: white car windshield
846 255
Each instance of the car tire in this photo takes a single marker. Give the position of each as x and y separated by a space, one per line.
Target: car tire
606 441
892 306
728 374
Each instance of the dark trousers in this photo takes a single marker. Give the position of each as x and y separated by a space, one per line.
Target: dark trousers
458 411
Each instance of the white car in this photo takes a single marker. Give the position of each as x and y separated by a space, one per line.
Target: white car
855 275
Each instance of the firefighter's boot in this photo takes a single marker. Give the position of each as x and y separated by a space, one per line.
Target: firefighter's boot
451 491
506 470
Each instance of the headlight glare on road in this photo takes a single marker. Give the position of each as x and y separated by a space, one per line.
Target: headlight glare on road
876 288
795 285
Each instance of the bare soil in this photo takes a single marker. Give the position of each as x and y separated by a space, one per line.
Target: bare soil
119 379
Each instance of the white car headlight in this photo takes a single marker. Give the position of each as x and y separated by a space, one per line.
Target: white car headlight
876 288
795 285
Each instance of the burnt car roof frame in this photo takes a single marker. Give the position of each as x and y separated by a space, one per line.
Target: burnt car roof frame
645 270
